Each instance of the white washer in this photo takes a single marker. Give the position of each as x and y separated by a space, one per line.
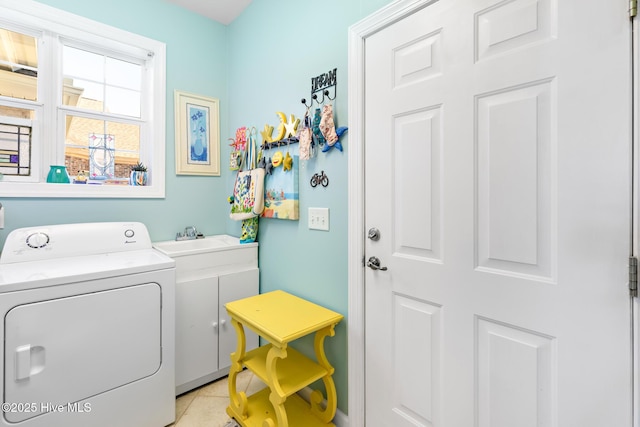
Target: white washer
88 327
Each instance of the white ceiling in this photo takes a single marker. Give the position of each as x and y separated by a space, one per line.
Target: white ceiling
223 11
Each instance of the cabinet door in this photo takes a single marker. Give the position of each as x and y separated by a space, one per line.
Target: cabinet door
234 287
196 329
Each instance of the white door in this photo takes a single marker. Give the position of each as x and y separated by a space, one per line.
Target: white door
497 171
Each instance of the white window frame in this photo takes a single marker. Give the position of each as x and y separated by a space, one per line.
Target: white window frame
57 26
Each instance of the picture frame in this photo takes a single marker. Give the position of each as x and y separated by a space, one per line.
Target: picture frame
282 195
197 123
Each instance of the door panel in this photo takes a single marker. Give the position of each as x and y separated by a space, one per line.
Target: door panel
497 171
416 362
420 144
516 378
505 27
515 232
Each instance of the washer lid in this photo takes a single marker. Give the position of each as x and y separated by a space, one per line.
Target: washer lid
68 240
51 272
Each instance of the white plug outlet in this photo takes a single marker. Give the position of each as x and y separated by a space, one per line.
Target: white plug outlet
319 219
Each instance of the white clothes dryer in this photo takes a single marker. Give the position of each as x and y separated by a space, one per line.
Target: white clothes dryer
88 327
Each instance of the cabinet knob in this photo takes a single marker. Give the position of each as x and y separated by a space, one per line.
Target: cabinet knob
222 323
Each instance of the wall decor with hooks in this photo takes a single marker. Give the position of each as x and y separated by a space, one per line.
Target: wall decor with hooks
286 132
280 143
323 84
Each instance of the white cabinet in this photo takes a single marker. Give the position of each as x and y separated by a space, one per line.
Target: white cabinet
208 276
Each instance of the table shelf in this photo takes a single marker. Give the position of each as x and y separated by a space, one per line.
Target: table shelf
294 373
298 411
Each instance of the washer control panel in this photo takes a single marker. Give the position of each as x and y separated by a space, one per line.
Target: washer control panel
69 240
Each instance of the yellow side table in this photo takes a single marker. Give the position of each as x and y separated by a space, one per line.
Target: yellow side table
280 318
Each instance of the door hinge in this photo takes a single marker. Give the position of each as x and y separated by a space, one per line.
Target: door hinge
633 8
633 276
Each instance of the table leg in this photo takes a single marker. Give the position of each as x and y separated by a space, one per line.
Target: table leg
238 401
277 396
325 414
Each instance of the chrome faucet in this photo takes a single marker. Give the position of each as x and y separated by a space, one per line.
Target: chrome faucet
189 233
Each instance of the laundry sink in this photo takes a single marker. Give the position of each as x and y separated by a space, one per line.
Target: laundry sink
200 258
177 248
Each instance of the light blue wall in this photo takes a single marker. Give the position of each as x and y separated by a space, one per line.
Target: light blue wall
197 63
275 48
260 64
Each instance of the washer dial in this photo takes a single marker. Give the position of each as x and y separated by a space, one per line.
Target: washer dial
37 240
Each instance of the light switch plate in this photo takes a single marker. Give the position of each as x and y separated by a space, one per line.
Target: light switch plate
319 219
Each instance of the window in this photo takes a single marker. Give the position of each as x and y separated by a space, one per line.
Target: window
79 94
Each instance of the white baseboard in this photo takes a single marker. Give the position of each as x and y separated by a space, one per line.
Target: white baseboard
340 420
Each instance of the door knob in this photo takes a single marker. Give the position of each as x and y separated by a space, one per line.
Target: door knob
374 264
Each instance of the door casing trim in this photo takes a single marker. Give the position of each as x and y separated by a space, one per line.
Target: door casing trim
635 212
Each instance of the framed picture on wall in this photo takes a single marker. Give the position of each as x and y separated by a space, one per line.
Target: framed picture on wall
197 125
282 199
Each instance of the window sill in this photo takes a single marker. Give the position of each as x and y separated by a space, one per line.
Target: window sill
12 189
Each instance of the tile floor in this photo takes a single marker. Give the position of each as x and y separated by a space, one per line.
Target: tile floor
206 406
